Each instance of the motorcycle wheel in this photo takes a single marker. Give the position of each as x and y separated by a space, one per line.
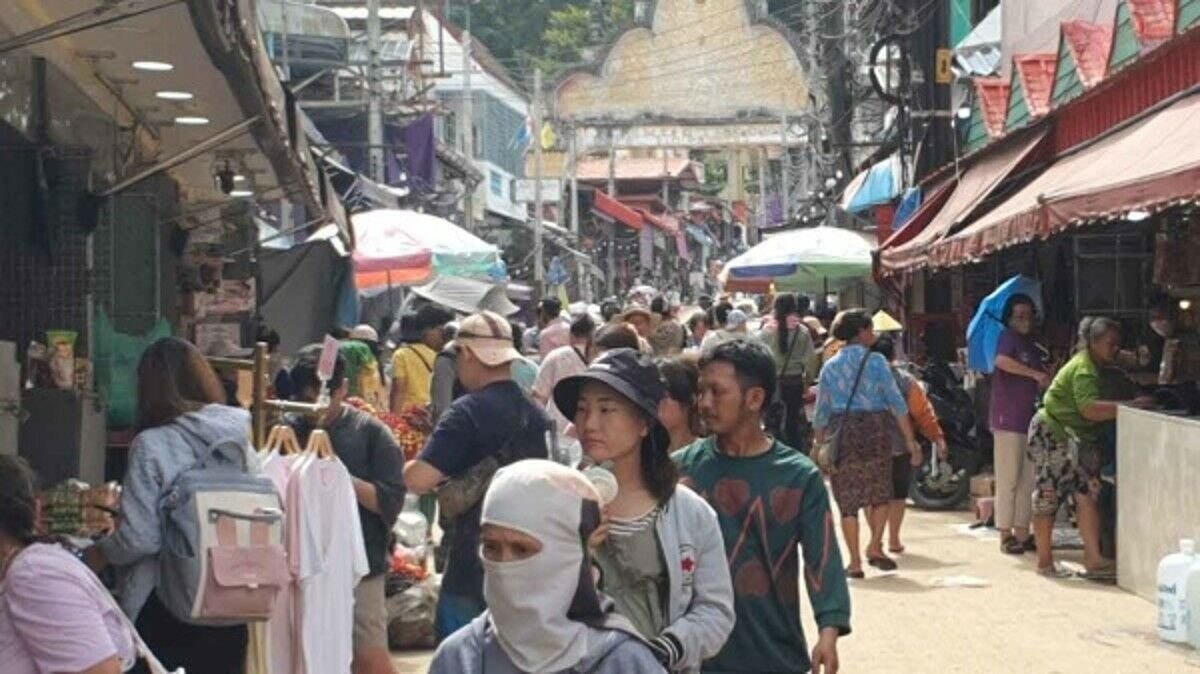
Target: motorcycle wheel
951 488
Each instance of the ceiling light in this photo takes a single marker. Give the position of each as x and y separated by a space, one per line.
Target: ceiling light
964 112
241 194
153 66
1185 304
175 95
1137 215
191 121
239 178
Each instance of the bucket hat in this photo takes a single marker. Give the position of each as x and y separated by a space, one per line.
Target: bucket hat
631 374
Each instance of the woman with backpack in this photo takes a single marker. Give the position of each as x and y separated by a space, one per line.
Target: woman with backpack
180 416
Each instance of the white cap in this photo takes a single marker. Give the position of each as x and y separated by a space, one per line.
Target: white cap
1187 546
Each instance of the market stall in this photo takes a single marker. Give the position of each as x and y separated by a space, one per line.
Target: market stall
816 260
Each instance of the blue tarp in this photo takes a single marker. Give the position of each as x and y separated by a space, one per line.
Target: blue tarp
909 205
881 185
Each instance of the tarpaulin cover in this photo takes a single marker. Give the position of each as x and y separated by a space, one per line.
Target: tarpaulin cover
881 185
396 247
467 296
313 276
976 183
1153 162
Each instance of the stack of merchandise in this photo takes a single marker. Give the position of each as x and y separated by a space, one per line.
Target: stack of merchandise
99 505
411 427
62 508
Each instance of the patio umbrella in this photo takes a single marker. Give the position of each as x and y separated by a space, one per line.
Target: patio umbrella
398 247
467 296
983 334
802 260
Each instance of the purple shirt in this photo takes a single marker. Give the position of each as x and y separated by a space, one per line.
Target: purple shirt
53 617
1014 397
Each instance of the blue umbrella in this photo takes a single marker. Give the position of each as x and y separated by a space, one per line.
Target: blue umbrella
983 334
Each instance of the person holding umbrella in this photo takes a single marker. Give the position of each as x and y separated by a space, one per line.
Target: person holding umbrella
1019 376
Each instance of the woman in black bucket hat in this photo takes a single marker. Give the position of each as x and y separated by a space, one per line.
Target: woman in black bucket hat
660 551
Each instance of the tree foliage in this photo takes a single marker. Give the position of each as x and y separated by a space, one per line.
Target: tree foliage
552 34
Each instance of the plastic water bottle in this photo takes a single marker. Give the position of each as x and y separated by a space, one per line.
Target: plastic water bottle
1193 604
1173 572
411 527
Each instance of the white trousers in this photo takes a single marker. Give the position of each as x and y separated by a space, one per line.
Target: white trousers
1014 481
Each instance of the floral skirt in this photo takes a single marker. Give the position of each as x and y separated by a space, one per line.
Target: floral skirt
863 476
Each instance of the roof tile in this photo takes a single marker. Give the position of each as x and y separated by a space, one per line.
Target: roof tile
1037 80
1090 44
993 100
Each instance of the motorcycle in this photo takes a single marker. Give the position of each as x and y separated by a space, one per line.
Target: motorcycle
945 484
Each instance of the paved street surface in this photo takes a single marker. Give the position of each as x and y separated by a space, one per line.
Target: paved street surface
958 605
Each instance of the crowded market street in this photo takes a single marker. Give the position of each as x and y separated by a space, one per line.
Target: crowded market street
958 608
599 336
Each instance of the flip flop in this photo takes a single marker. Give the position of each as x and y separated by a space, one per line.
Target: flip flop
1106 574
1011 546
898 550
857 575
882 563
1056 572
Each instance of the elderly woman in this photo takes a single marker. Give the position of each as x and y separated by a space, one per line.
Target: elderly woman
55 616
858 395
544 613
1064 446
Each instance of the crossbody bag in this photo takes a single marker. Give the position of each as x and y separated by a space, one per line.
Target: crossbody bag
827 450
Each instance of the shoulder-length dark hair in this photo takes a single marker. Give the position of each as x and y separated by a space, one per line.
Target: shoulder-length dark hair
174 378
682 379
785 305
659 472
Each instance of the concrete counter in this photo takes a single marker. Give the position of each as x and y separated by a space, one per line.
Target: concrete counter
1158 493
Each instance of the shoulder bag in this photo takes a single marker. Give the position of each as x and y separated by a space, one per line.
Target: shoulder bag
827 450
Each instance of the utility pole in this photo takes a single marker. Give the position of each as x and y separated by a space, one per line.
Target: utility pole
762 197
374 93
785 173
585 284
539 271
468 123
838 75
611 275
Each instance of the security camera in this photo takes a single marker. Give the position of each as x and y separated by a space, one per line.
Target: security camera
225 178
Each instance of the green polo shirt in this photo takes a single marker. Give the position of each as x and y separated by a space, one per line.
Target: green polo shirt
1076 386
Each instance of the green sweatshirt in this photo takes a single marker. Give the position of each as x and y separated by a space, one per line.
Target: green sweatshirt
766 505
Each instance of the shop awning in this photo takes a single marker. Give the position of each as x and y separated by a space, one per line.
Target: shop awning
615 210
880 185
975 184
1152 163
936 199
665 222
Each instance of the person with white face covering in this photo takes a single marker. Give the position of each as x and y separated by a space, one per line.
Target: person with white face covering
544 614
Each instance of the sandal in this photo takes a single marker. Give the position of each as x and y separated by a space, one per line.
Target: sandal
1009 545
1030 545
882 563
1057 572
856 574
1106 574
896 549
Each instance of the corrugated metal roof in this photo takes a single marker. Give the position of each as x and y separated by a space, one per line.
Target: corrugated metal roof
651 168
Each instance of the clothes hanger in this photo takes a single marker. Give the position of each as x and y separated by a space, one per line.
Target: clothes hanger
271 442
318 444
288 443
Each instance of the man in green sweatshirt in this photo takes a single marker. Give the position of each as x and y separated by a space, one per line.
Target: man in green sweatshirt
769 498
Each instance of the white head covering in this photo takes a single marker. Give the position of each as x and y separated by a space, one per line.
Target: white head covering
530 599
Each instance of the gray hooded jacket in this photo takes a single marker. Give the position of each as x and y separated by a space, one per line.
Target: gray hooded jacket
157 457
474 649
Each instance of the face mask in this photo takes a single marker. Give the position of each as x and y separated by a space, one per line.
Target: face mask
530 622
529 599
1161 328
